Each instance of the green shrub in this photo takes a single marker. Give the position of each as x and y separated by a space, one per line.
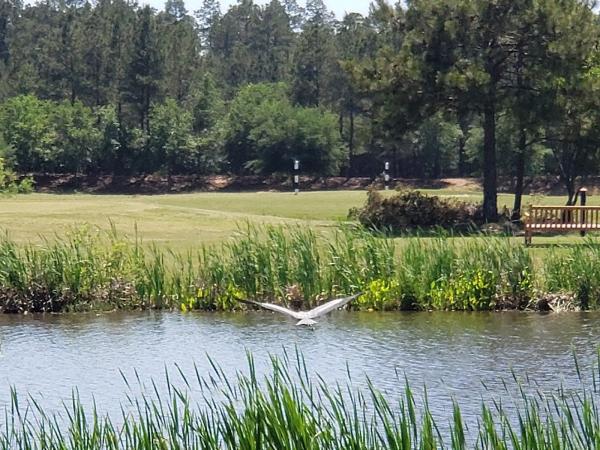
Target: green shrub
10 184
380 295
411 209
464 291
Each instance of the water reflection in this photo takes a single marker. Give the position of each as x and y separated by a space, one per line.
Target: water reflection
456 354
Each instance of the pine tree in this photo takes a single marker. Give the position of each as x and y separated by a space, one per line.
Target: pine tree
208 17
145 70
314 56
182 50
273 43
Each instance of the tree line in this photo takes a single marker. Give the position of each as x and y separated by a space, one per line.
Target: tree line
438 88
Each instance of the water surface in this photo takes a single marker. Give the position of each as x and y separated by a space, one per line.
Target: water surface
457 355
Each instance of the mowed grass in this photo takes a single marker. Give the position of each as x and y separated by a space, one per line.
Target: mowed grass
176 221
181 221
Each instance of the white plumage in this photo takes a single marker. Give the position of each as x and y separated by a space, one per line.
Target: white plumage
306 317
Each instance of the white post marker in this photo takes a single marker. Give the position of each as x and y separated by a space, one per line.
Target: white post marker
296 177
386 176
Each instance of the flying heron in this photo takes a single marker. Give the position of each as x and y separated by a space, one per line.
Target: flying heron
306 317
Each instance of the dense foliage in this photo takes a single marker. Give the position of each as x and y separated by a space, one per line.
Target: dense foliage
467 87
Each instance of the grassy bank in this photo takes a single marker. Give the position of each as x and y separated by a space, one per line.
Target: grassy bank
184 221
298 266
292 408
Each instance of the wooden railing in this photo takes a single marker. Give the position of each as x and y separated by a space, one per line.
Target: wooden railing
561 218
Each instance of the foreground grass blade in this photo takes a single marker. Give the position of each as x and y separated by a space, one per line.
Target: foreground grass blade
286 409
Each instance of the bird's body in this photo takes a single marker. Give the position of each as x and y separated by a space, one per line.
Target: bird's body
306 317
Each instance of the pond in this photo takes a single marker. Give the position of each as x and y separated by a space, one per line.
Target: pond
457 355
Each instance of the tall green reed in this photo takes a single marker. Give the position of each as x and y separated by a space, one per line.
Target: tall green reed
293 408
293 265
575 270
478 273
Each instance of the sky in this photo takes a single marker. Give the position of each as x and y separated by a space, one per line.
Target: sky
339 7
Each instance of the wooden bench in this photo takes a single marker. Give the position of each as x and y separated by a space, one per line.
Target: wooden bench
561 218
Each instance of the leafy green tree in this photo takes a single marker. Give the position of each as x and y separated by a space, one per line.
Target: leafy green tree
436 139
466 49
265 133
251 44
170 137
240 121
76 138
465 55
109 155
573 86
573 135
207 104
467 87
103 38
5 23
27 129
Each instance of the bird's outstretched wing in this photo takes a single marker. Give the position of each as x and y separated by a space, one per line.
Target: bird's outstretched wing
276 308
330 306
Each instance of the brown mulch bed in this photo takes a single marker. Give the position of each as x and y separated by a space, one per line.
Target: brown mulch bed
160 184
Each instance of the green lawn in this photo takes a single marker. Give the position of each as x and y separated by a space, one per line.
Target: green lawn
178 221
187 220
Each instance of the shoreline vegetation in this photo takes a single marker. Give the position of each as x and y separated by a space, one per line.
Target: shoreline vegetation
297 266
292 408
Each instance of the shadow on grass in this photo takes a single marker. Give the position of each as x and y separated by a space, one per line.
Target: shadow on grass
584 243
439 232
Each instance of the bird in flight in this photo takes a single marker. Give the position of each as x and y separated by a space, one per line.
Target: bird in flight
306 317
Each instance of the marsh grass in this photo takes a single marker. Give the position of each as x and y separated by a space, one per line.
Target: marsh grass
292 408
480 273
98 270
575 270
294 265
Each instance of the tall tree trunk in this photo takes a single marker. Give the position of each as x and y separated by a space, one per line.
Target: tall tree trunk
490 194
461 156
463 123
146 110
351 142
567 175
520 172
570 185
142 109
437 164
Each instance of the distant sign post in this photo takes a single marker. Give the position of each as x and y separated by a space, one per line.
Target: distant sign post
386 175
296 177
582 202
